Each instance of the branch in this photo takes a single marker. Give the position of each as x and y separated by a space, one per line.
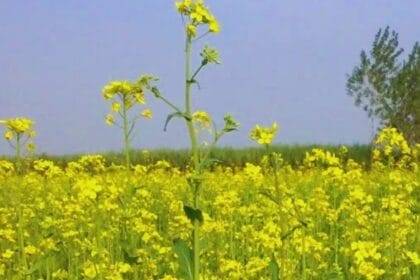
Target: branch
269 196
157 94
201 36
133 124
11 145
290 232
192 80
26 140
170 104
117 124
216 139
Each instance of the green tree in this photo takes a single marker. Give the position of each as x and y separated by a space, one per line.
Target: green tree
386 86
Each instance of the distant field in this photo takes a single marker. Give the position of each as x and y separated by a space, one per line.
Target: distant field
227 156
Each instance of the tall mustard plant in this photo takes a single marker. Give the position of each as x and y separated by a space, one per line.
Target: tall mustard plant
272 162
19 133
124 96
198 22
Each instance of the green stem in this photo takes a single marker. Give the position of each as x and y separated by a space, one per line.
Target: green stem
188 103
195 156
170 104
18 153
196 72
335 228
47 263
21 237
273 164
303 257
126 134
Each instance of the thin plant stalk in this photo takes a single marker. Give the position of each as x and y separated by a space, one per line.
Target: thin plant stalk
18 153
195 156
126 134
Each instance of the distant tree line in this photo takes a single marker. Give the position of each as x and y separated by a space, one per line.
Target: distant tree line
387 86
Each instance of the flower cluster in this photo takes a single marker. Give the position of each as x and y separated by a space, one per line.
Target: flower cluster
210 55
202 119
124 95
47 168
391 149
366 255
264 135
19 132
320 158
6 168
198 14
18 127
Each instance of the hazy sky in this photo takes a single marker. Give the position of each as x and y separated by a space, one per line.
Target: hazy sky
283 61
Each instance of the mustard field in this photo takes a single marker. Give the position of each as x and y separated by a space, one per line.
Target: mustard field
330 218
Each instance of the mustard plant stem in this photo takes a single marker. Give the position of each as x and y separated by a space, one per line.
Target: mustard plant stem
195 156
126 134
18 153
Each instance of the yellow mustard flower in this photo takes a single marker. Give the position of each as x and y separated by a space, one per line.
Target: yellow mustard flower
110 120
89 270
7 254
147 113
30 250
264 135
116 106
8 135
202 118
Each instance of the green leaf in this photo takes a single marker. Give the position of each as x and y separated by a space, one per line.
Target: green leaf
336 273
185 259
209 162
170 117
37 266
194 181
128 257
273 267
155 92
177 115
230 124
193 214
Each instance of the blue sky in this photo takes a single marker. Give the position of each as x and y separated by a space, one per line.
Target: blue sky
283 61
